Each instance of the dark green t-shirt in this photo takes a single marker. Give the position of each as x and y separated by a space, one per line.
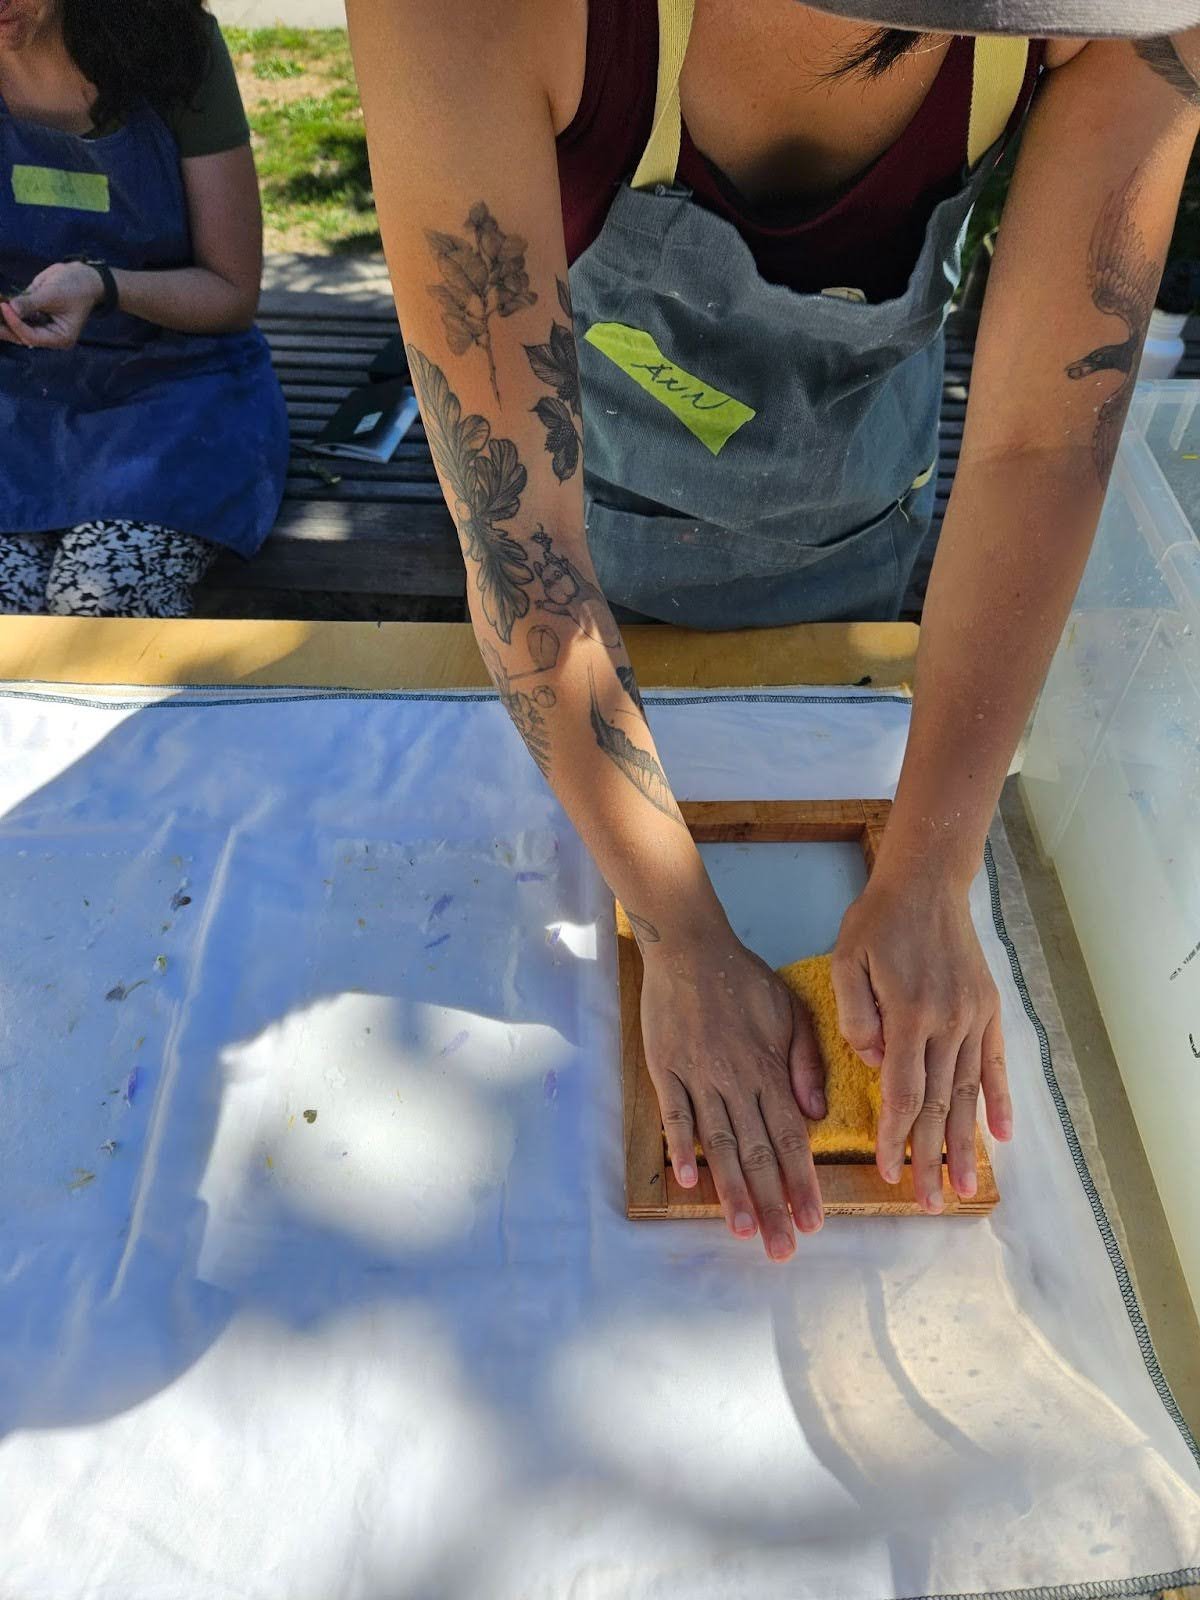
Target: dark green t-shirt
216 120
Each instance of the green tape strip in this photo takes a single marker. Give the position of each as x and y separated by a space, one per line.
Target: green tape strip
51 186
712 416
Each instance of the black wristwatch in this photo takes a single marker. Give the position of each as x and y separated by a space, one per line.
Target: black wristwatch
108 300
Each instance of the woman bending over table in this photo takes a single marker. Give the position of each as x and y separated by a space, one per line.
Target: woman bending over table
673 276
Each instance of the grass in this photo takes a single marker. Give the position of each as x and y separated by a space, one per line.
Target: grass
307 128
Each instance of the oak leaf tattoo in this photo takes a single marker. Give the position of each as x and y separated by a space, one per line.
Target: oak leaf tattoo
1123 277
487 480
556 363
638 765
482 276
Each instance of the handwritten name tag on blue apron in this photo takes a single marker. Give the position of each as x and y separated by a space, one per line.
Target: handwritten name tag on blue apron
51 186
712 416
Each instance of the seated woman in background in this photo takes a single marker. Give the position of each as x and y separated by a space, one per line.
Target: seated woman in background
143 426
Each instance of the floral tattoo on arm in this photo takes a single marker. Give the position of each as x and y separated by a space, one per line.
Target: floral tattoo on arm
557 363
638 765
486 480
482 276
1123 277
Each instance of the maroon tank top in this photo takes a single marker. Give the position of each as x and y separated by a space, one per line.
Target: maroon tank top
868 236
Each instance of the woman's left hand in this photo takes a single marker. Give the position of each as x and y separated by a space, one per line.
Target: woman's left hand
51 312
915 997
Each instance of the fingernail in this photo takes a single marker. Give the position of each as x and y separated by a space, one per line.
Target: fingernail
967 1187
743 1222
818 1102
933 1203
781 1247
891 1175
687 1174
1004 1128
811 1218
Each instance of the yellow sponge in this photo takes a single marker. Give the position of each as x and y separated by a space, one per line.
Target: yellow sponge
852 1092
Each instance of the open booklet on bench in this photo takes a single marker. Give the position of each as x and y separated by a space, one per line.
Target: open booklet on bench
369 423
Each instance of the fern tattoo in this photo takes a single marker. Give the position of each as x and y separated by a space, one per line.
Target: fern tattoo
480 279
557 364
487 480
639 766
643 931
1123 279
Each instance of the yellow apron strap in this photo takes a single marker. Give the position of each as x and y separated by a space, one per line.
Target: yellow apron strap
999 73
661 157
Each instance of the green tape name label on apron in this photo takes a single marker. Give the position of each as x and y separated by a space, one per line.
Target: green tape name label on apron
712 416
51 186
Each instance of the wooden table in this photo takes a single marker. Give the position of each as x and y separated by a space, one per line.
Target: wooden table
398 655
428 655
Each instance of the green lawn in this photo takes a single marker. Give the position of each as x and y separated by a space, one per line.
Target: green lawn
302 102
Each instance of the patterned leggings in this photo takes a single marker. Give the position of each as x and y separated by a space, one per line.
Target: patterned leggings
102 569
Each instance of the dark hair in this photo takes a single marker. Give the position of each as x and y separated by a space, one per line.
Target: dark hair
878 53
138 50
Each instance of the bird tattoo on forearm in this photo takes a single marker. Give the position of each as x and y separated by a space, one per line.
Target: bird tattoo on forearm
1123 277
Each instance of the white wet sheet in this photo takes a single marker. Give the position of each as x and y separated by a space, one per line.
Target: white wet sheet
315 1282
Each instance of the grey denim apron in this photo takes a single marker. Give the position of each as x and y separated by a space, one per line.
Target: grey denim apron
754 456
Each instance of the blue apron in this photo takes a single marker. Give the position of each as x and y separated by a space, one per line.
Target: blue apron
186 431
753 456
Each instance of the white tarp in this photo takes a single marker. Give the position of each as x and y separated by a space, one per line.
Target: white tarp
315 1282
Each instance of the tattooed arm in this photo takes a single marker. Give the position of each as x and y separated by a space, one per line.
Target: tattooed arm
462 106
461 118
1077 265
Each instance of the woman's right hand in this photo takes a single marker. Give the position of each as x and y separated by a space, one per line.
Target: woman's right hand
734 1063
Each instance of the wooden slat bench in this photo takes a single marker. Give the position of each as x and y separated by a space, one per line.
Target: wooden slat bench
383 532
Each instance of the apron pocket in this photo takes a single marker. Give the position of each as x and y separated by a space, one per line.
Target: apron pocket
703 576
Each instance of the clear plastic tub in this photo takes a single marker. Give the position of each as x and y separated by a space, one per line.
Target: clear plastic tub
1112 781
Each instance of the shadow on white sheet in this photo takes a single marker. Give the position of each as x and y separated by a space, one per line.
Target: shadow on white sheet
411 1347
380 1107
